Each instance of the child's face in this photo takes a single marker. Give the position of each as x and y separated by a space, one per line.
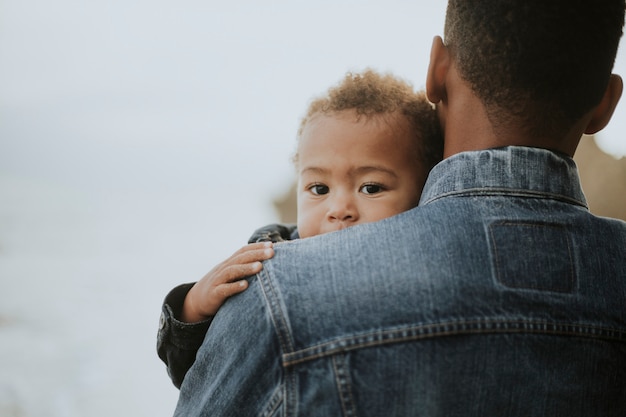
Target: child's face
352 172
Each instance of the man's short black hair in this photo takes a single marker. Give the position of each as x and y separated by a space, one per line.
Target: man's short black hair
544 63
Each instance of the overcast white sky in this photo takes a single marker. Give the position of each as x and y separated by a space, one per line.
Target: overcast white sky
140 143
142 93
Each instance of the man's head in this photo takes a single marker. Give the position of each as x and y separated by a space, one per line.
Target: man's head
542 64
364 152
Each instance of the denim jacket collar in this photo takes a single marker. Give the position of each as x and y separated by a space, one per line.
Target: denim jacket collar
512 170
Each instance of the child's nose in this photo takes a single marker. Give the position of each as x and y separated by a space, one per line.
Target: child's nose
342 208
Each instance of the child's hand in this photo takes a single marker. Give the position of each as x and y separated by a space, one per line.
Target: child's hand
223 281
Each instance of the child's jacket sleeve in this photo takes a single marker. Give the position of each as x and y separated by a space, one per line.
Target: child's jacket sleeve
178 342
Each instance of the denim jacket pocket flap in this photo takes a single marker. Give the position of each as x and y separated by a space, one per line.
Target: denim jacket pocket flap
548 264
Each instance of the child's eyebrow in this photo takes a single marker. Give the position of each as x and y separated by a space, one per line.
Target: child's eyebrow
354 171
373 168
314 170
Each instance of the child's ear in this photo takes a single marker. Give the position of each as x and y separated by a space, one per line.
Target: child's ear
603 112
437 71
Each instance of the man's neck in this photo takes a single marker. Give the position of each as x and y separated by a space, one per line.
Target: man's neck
468 127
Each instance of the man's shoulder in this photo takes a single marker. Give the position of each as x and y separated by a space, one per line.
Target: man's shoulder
415 219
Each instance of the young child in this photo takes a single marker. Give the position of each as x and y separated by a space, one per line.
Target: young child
363 154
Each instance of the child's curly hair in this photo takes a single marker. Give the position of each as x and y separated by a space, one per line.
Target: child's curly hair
370 93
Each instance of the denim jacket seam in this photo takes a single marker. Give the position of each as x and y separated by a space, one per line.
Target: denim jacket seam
276 314
509 192
282 393
451 328
291 393
275 400
342 379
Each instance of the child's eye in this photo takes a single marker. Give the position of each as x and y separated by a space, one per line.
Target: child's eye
319 189
371 188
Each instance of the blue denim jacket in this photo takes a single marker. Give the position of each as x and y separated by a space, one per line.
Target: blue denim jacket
500 295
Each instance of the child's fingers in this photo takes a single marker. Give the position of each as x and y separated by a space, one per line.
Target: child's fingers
226 279
243 270
230 289
238 271
252 252
213 299
244 262
257 245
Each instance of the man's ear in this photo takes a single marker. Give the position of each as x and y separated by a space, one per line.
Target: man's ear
437 71
603 112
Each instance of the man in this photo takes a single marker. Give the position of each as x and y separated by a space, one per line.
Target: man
500 295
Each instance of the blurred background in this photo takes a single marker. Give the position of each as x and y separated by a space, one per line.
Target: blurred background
141 142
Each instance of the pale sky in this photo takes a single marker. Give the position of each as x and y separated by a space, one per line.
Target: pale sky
155 93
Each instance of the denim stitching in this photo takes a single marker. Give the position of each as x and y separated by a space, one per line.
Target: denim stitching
342 377
495 251
280 325
275 312
291 394
453 328
273 403
496 192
